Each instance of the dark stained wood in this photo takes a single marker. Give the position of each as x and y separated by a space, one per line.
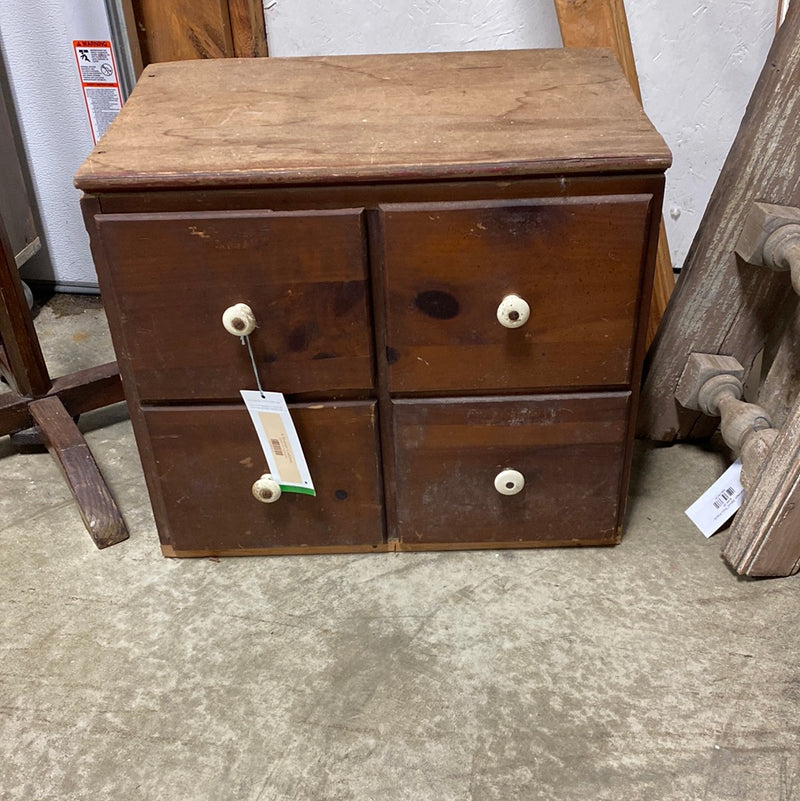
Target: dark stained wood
344 196
765 536
303 274
248 29
35 399
568 447
172 30
15 204
79 392
578 263
467 114
516 174
208 495
98 510
27 371
722 305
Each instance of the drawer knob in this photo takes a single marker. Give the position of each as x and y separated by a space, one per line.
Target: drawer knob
266 489
513 311
239 320
509 482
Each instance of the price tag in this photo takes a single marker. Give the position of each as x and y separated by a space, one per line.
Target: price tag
279 440
719 502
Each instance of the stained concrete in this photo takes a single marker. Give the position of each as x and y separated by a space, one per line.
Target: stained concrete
646 671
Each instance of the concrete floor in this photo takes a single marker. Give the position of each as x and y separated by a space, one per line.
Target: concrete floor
647 671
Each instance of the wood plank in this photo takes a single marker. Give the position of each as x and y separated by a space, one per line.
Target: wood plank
494 114
20 343
765 536
66 444
15 204
720 304
603 23
175 30
248 29
79 392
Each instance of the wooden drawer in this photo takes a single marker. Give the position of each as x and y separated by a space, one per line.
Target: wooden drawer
569 448
578 263
302 273
205 460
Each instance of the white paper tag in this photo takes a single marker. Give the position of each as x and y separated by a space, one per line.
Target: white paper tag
279 440
719 502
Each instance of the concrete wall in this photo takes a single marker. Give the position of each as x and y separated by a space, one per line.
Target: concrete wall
697 61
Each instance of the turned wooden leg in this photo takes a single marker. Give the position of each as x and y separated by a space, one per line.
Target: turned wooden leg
765 537
68 447
712 384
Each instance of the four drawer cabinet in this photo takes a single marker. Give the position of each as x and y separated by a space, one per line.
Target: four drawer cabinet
448 261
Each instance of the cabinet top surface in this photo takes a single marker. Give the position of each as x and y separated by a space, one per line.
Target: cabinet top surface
347 119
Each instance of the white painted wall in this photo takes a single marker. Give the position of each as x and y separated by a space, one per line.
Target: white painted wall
698 61
36 38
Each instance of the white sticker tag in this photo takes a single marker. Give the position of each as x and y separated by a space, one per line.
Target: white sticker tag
99 82
719 502
279 440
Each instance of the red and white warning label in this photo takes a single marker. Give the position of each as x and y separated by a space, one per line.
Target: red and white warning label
99 82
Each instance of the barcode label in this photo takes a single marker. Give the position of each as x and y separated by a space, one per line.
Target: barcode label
719 502
279 440
723 498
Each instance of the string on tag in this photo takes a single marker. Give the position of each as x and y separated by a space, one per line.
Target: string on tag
246 341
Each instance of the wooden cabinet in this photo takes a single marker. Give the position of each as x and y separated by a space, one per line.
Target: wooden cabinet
448 257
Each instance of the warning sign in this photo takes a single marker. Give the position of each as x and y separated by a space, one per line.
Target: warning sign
99 82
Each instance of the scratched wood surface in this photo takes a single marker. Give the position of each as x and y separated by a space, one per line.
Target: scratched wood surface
720 304
205 460
239 122
304 275
765 536
569 448
441 298
96 505
603 23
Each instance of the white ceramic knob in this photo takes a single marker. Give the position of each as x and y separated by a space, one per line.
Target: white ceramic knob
509 482
513 311
239 320
266 489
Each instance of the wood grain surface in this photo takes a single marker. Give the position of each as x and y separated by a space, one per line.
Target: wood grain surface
603 23
765 536
97 507
569 449
303 274
172 30
722 305
239 122
207 458
578 263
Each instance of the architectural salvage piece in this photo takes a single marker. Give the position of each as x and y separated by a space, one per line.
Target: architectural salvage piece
721 304
713 385
765 537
